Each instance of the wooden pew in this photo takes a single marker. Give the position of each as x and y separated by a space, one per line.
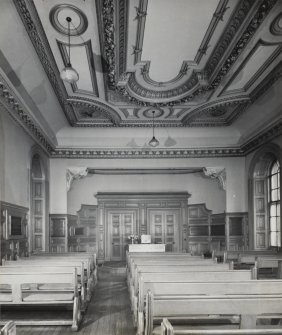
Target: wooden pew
241 256
17 295
89 276
89 259
248 307
53 269
9 329
137 293
186 289
156 255
167 329
188 261
270 263
133 281
69 255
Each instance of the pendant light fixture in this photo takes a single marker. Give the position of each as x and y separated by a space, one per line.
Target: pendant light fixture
154 142
69 74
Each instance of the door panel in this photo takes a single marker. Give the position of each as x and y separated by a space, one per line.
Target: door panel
121 224
164 228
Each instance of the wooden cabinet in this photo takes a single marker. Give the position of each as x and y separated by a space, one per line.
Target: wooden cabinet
14 231
82 229
58 233
199 218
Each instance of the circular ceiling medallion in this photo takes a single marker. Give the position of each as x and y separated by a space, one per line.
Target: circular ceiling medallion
276 26
58 15
149 113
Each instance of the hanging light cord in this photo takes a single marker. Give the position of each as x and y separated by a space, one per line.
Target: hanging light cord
69 21
153 123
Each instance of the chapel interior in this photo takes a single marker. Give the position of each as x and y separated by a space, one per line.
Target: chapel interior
121 119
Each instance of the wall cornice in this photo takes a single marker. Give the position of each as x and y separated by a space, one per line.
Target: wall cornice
18 112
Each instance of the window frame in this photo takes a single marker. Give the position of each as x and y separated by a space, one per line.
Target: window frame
274 203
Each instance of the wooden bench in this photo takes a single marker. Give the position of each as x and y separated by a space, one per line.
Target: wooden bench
137 293
192 272
24 289
247 307
89 276
156 255
72 255
185 289
9 329
167 329
154 258
89 260
269 263
133 281
168 262
82 288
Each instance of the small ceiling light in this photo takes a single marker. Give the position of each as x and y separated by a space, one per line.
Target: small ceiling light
69 74
154 142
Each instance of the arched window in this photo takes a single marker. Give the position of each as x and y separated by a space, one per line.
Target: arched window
265 198
274 205
38 203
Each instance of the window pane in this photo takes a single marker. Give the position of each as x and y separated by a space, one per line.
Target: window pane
273 224
273 239
274 195
278 223
274 183
279 239
274 168
272 210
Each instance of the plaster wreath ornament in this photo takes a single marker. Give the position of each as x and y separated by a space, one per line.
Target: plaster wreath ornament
133 238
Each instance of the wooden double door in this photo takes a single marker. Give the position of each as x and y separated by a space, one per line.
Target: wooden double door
121 223
164 228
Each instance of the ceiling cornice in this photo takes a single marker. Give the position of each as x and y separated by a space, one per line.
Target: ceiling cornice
241 151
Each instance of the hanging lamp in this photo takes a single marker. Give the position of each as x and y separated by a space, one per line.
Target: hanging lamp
154 142
69 74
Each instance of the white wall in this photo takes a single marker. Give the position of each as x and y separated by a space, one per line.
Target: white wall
236 200
14 161
202 189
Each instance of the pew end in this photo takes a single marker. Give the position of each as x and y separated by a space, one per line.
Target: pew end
9 329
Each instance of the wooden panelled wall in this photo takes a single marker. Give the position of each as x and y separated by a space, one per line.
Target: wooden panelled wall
14 231
224 231
166 217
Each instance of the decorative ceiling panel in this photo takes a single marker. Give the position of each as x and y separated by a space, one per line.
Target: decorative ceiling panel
129 65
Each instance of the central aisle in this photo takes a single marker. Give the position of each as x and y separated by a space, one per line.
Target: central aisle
109 312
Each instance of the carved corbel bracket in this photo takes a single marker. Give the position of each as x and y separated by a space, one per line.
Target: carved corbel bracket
75 173
218 173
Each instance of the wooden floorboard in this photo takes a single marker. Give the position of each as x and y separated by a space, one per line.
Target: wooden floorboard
108 312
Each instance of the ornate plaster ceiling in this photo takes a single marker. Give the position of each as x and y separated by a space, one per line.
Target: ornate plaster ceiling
197 63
